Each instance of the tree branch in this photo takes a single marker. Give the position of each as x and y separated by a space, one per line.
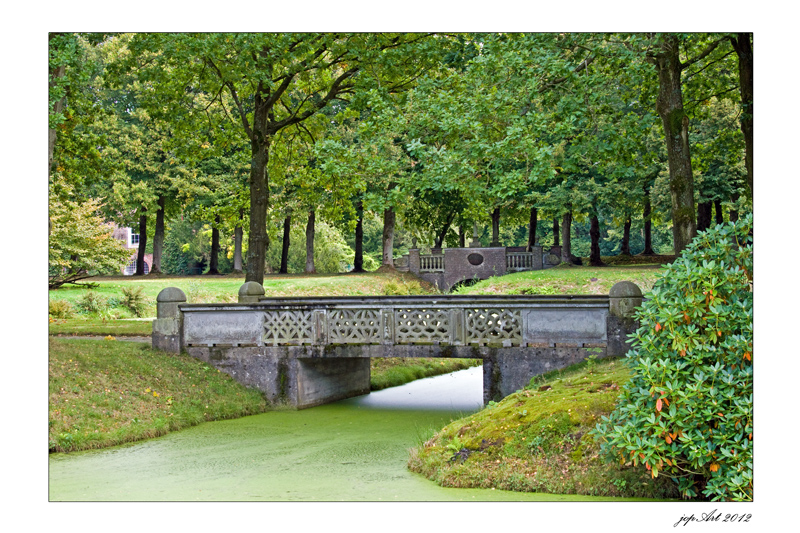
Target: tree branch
690 105
689 76
235 96
585 63
335 89
710 48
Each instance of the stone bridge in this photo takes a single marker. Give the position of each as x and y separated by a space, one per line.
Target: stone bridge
446 268
310 351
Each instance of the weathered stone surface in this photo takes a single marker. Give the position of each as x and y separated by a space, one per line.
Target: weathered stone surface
507 370
168 327
167 302
575 325
224 327
167 335
459 268
322 381
618 343
624 297
250 292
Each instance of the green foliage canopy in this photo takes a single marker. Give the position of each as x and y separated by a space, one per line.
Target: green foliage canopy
81 244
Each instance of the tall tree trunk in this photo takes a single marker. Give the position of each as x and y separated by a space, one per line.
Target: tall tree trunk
556 231
287 227
594 233
718 212
158 238
258 239
213 263
676 130
142 243
625 248
566 241
388 237
703 216
358 261
744 49
439 239
733 214
238 235
495 227
462 238
648 224
58 107
310 231
532 223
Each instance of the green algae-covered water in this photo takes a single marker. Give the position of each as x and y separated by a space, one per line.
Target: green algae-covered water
353 450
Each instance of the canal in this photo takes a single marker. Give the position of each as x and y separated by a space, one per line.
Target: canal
352 450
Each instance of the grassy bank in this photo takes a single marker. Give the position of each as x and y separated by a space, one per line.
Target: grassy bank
565 279
99 326
394 371
537 440
104 393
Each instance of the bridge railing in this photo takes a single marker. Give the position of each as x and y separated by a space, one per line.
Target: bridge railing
431 263
519 261
448 320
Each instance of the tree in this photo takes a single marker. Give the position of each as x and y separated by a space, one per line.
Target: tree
81 245
75 113
742 43
668 64
275 81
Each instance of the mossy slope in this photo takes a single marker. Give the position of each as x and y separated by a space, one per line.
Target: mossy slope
537 440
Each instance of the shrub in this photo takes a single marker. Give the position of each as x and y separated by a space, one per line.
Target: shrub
688 410
400 287
91 302
60 309
134 300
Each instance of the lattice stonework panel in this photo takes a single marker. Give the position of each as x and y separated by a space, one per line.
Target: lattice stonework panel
354 326
422 325
288 327
493 325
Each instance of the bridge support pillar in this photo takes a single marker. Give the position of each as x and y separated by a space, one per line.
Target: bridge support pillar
508 370
291 375
320 381
623 299
168 326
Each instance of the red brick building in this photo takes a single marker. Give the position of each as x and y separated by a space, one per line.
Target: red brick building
131 241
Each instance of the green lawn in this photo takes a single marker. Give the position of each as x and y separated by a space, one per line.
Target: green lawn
566 280
100 310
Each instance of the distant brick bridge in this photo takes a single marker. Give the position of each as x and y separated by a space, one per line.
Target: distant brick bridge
311 351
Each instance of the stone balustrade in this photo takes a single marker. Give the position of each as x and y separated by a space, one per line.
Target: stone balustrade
431 263
446 320
520 261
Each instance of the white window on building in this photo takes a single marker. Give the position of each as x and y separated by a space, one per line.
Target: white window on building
130 270
133 238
